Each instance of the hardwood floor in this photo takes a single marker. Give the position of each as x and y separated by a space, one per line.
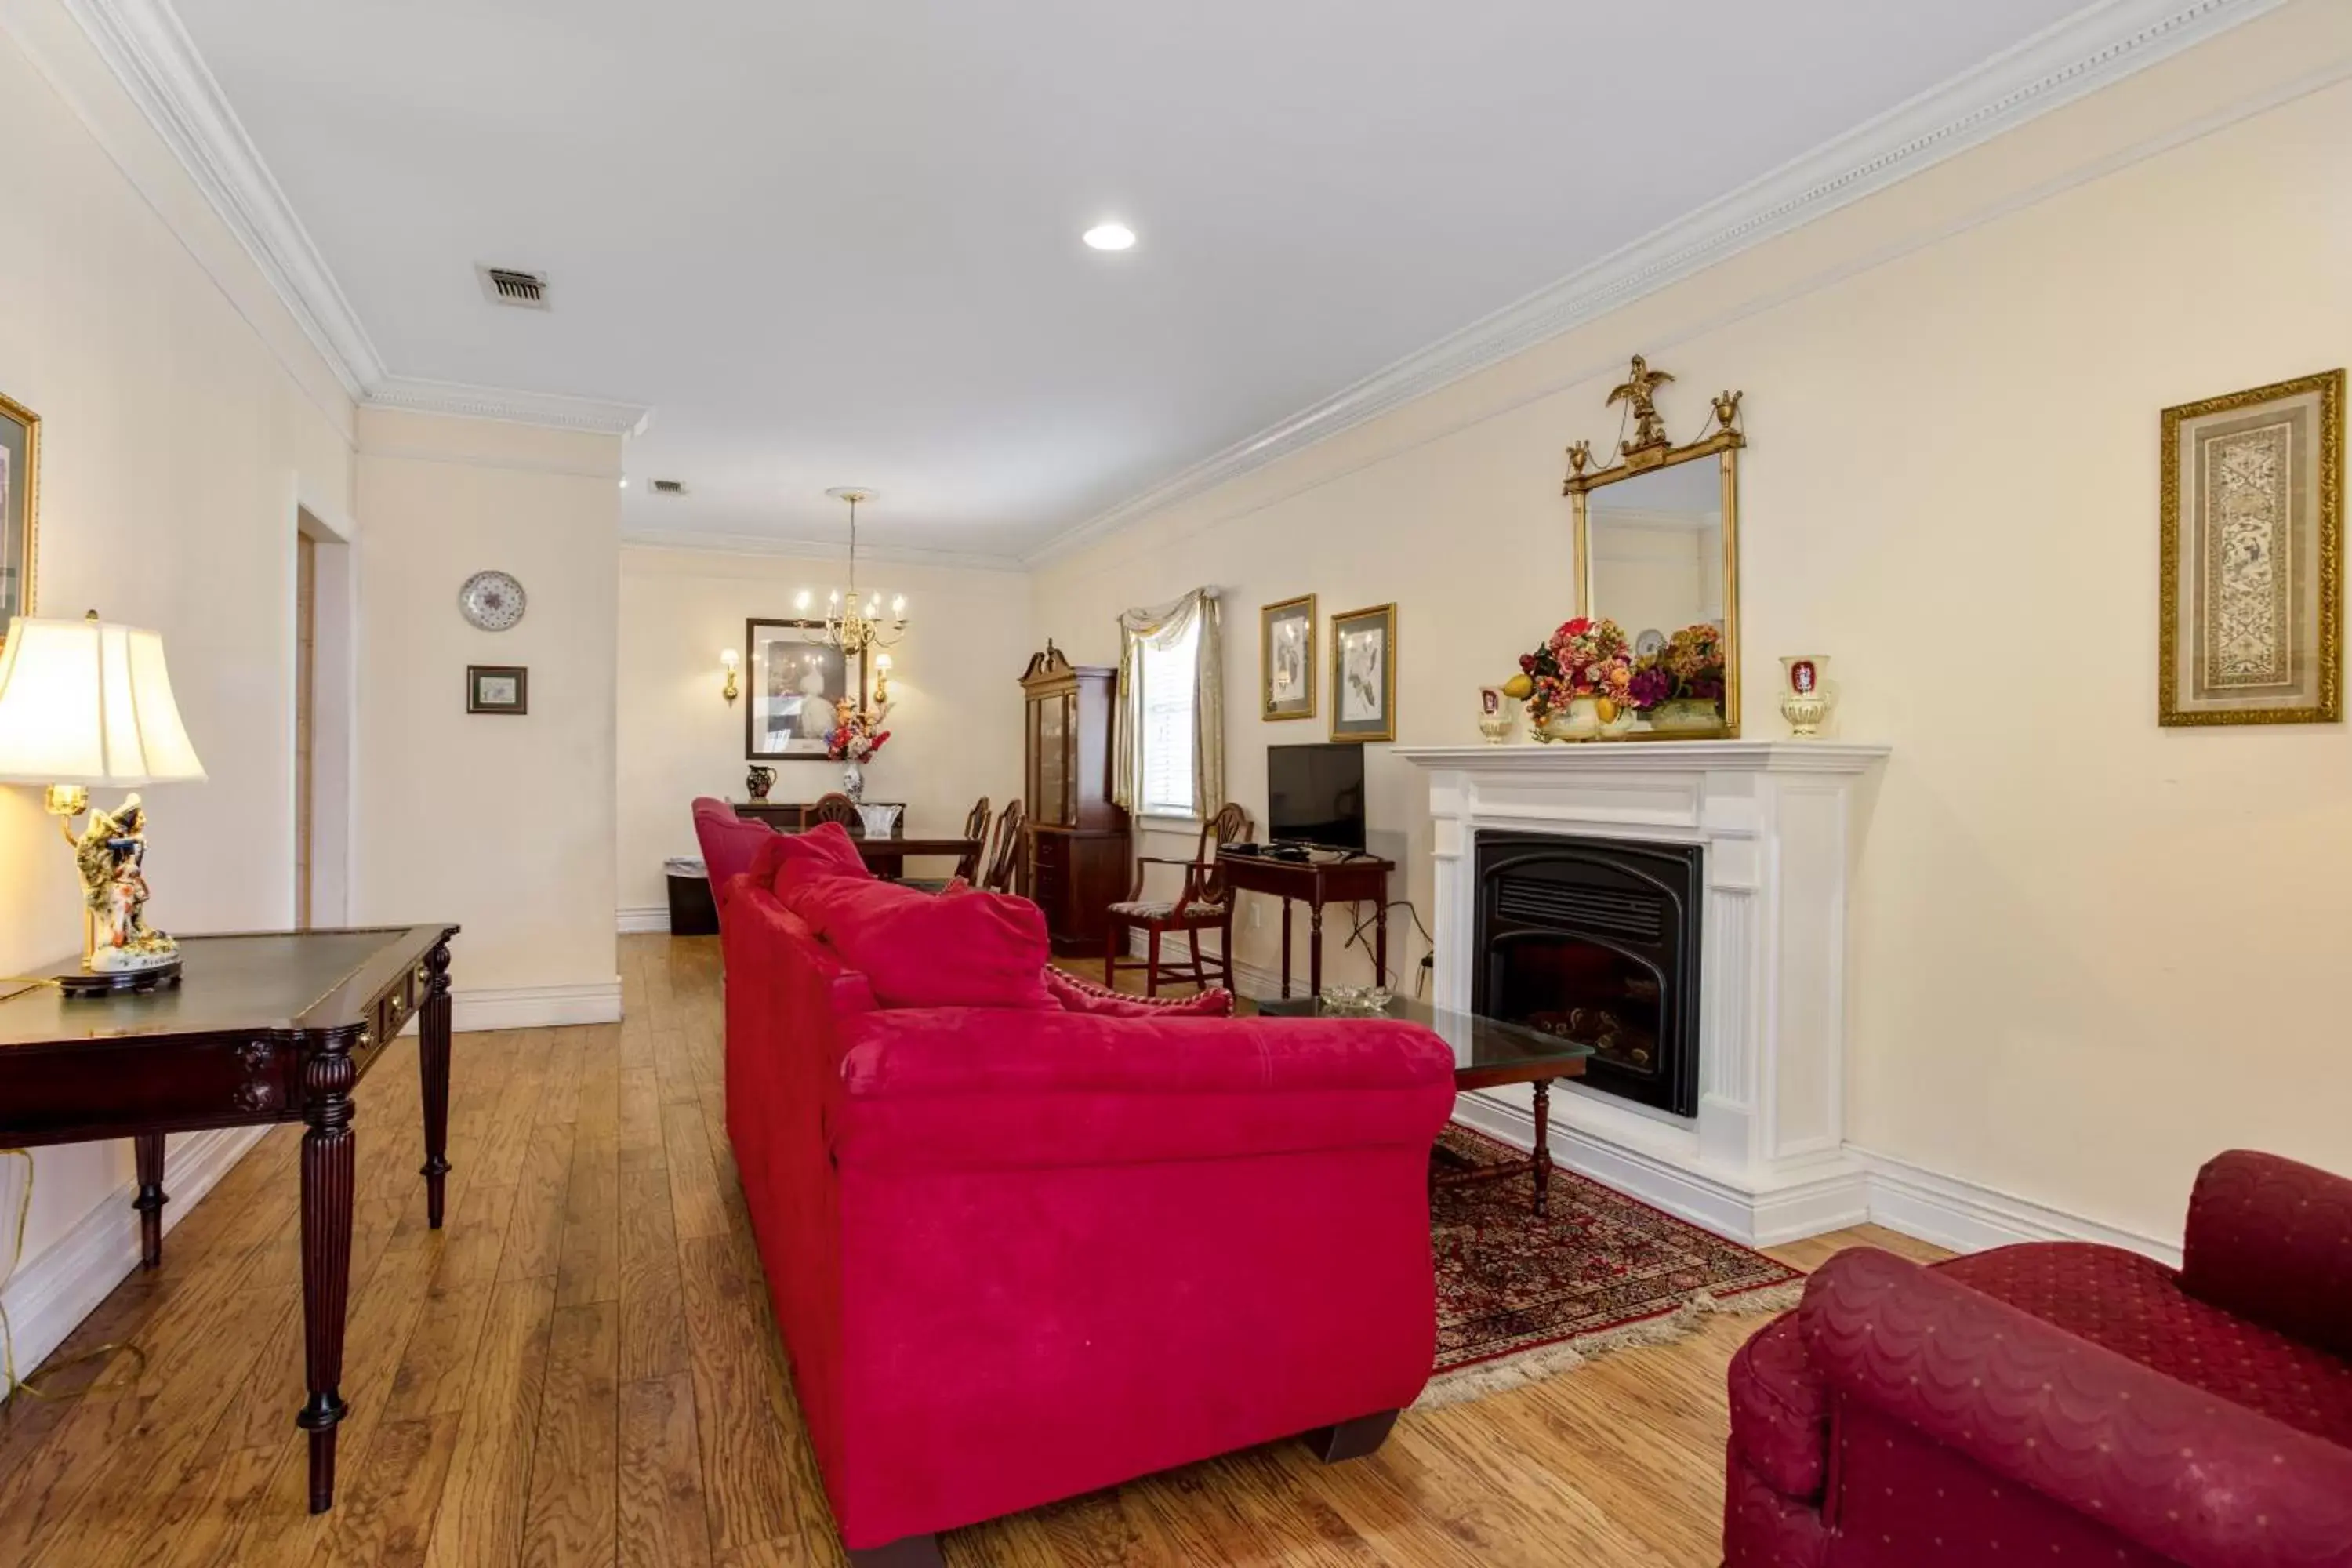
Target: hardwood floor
582 1368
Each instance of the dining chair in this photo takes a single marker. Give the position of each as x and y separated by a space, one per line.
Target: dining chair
1205 903
975 827
836 807
1005 851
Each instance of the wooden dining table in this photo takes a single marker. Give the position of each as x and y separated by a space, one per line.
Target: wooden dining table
889 856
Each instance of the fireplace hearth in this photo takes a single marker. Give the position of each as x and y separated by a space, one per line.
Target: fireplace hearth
1597 939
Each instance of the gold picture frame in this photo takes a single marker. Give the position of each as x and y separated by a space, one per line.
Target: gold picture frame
1366 640
1285 648
20 510
2250 613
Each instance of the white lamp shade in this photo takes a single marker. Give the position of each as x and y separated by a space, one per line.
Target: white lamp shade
89 702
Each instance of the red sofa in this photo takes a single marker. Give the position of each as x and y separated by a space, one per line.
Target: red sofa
2065 1403
730 843
1019 1253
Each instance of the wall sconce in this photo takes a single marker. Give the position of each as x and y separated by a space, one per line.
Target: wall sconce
881 678
730 661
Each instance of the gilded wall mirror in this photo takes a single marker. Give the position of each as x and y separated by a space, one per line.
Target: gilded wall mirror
1657 552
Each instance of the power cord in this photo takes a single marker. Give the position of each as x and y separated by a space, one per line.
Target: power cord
1362 921
10 1384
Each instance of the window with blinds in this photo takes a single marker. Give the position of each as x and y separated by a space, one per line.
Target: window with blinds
1169 679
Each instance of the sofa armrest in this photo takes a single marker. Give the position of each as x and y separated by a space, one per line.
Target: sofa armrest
2270 1240
961 1087
2185 1473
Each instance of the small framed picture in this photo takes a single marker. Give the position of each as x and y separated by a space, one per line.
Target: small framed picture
798 682
498 689
2251 608
1286 658
20 468
1363 674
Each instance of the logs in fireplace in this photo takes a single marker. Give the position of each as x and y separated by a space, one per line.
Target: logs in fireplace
1597 939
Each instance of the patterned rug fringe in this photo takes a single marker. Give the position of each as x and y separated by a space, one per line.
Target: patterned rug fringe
1545 1362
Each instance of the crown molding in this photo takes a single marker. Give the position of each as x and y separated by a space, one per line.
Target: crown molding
149 52
817 551
2063 62
554 410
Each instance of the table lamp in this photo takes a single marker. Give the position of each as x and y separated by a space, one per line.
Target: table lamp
87 703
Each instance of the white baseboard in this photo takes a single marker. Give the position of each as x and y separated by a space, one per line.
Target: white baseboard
1969 1218
535 1006
649 919
54 1291
1836 1197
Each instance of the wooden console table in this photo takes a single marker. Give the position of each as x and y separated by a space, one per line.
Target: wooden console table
792 816
264 1027
1325 877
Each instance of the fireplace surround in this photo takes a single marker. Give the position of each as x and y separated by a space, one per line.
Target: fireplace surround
1772 827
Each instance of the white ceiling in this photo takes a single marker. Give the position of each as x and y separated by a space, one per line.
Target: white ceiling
835 241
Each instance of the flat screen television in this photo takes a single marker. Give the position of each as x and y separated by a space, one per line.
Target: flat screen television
1315 794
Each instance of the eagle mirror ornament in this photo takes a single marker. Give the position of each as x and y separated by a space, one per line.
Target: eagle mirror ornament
1657 555
491 601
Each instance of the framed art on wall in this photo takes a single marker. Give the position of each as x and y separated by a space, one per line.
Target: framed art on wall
1286 658
2251 609
498 689
1363 674
20 468
797 683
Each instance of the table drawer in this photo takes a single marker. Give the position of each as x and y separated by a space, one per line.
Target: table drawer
138 1086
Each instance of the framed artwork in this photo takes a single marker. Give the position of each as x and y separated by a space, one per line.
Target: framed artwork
498 689
20 471
797 683
1286 658
2250 613
1363 674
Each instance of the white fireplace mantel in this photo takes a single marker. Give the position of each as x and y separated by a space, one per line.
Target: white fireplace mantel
1765 1159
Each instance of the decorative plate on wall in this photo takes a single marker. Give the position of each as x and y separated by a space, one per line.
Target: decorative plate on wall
491 600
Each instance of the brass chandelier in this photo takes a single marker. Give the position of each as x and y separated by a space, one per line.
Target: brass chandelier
857 626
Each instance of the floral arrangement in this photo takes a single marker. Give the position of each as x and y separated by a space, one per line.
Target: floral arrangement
856 736
1591 657
1692 660
1585 658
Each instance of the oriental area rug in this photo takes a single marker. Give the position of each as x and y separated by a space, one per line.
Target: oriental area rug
1520 1298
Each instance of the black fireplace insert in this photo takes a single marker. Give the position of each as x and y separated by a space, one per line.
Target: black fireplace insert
1597 939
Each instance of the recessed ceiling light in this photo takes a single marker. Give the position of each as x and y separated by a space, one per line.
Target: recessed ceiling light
1110 236
624 484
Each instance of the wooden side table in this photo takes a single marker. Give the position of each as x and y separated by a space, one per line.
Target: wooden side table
1323 876
264 1027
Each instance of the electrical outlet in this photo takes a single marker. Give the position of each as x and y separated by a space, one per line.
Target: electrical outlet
1257 915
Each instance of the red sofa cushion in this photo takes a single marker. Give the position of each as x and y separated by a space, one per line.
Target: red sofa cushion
790 859
2136 1308
1077 995
918 949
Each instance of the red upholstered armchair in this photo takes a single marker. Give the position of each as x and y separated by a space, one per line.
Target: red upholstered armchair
2063 1402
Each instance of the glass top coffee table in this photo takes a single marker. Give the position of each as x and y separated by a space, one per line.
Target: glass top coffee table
1487 1052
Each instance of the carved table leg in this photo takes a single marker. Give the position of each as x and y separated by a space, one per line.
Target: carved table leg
1286 949
151 1199
1543 1149
432 1066
327 1159
1315 948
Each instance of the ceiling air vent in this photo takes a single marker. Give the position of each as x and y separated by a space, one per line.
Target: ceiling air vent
668 487
513 286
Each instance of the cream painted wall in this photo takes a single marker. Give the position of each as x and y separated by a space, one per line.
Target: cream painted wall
181 413
503 823
954 720
2088 952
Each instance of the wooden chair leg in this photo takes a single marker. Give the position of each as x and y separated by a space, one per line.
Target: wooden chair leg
1225 953
1351 1439
1112 941
909 1552
1151 969
1199 975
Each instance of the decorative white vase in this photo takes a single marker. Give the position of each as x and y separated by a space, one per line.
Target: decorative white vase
853 781
1804 692
1580 722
